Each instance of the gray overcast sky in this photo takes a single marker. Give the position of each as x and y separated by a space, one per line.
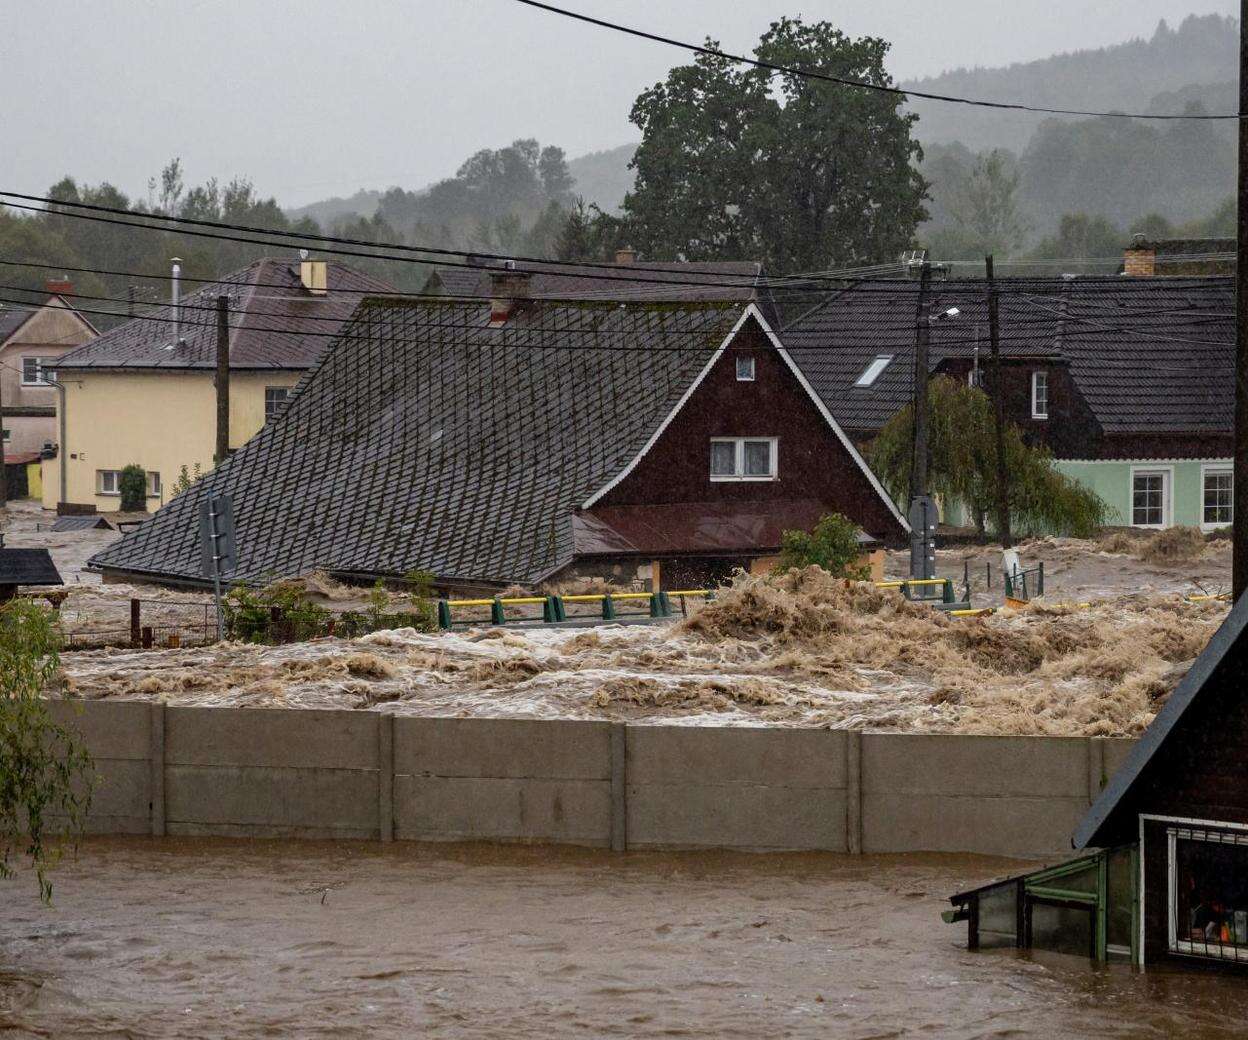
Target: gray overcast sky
311 98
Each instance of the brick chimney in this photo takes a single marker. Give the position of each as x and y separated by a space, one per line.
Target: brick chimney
1139 259
59 286
626 255
507 287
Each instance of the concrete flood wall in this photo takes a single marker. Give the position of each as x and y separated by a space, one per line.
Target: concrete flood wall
343 774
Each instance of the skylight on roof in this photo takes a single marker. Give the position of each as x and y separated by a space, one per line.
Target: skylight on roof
872 372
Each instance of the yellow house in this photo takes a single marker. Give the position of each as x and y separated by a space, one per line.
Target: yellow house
144 393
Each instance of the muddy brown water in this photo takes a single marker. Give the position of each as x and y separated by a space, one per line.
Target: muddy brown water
217 938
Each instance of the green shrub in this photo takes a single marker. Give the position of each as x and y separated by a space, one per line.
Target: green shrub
833 545
43 766
133 487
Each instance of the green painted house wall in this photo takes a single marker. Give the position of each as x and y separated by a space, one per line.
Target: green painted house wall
1112 479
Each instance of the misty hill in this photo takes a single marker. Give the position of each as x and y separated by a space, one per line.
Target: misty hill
604 177
1203 50
362 204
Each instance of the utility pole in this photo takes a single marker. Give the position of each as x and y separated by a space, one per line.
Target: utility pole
918 466
4 474
1239 558
998 411
223 379
922 513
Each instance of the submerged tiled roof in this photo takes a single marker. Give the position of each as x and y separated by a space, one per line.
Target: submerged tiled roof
426 439
1149 355
281 325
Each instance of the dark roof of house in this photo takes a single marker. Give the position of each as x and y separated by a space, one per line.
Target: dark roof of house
1149 355
12 319
427 439
278 328
28 567
722 280
1224 653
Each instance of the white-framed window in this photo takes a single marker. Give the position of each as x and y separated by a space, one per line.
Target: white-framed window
1217 507
8 434
275 398
744 458
1151 505
1206 915
153 484
108 482
873 371
745 368
33 373
1040 394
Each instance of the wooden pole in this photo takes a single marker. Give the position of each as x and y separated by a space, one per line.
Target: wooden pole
1239 559
223 379
998 400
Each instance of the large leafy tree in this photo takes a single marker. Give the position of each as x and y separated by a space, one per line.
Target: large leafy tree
740 163
963 465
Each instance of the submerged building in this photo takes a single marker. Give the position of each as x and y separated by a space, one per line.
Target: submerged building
518 439
1165 878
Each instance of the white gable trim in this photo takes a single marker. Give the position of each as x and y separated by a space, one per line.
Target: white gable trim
752 309
611 484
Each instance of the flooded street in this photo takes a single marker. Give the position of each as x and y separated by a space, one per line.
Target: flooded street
216 938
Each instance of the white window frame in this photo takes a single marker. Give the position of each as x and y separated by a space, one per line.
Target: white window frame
738 475
285 401
745 368
874 370
1214 834
1039 376
1205 471
1167 498
40 378
100 482
154 487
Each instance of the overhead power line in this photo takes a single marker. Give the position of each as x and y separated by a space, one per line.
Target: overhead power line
842 81
411 253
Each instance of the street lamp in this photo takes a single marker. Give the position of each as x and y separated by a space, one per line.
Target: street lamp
922 514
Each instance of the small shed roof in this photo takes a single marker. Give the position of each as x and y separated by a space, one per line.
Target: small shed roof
28 567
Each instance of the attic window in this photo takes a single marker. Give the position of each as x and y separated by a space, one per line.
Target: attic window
745 368
872 372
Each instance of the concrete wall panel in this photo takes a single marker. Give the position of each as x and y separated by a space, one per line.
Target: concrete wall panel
1006 826
560 811
271 737
110 729
232 800
736 755
502 748
988 766
753 817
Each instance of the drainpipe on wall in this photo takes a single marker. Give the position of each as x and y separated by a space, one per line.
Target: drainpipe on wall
62 449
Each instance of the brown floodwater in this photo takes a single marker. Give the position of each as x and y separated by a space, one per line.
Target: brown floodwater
216 938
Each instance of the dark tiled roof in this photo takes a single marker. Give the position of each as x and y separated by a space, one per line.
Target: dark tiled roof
284 327
731 280
81 523
426 439
1150 355
27 567
12 319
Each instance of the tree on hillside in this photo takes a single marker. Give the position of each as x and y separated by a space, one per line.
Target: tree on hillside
986 204
964 465
740 163
590 234
1080 235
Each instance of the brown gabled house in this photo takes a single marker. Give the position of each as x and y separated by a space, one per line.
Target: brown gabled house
518 439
